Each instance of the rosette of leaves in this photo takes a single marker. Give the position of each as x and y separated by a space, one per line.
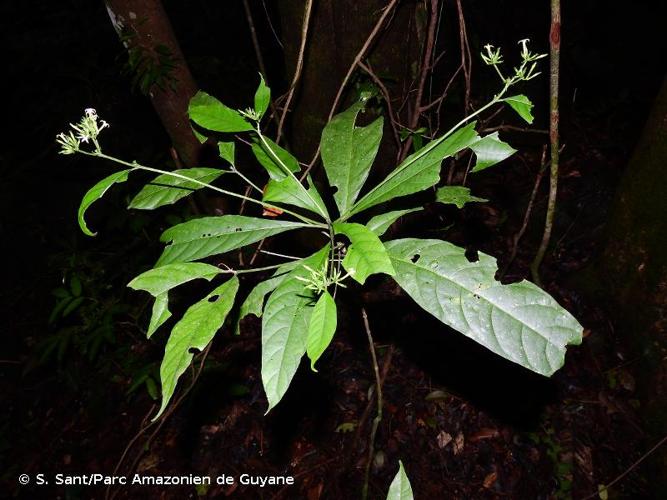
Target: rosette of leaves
518 321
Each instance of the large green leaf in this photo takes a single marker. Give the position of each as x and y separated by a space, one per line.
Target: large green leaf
489 151
291 192
159 314
418 171
206 111
519 321
348 153
285 328
456 195
166 189
199 238
162 279
366 255
400 488
194 331
321 328
262 97
226 151
254 302
380 223
95 193
274 158
522 105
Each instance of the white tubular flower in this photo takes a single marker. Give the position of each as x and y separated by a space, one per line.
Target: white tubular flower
525 53
68 143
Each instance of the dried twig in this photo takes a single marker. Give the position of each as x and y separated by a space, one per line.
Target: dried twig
378 416
385 94
529 211
423 74
258 51
299 67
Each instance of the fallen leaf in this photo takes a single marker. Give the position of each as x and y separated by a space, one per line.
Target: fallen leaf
458 443
443 439
490 479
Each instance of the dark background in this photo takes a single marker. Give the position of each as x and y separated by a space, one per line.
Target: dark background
66 402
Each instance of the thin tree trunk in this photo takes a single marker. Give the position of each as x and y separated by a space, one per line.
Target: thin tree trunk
145 30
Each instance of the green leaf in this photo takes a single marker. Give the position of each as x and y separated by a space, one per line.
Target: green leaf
254 302
166 189
366 255
161 279
519 321
95 193
400 488
489 151
194 331
159 315
291 192
380 223
456 195
348 153
285 328
198 135
199 238
226 151
522 105
321 328
418 171
206 111
262 97
272 157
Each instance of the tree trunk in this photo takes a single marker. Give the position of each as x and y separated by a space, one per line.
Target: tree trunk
633 269
158 68
338 30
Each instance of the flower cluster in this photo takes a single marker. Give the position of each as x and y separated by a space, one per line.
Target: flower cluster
526 71
87 130
320 280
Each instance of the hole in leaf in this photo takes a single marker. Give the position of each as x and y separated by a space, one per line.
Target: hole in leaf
471 255
238 229
415 258
213 298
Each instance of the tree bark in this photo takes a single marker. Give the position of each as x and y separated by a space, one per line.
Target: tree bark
338 31
143 27
633 270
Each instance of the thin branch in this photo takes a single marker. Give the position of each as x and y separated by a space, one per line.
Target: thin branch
529 211
258 52
299 67
378 417
466 57
628 470
554 50
385 94
360 55
423 74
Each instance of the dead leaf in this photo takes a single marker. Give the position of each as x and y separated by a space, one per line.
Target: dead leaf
459 441
443 439
490 479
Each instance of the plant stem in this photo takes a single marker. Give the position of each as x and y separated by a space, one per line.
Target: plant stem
378 416
554 53
288 172
138 166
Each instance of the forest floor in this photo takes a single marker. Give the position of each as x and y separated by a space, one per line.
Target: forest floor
466 424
